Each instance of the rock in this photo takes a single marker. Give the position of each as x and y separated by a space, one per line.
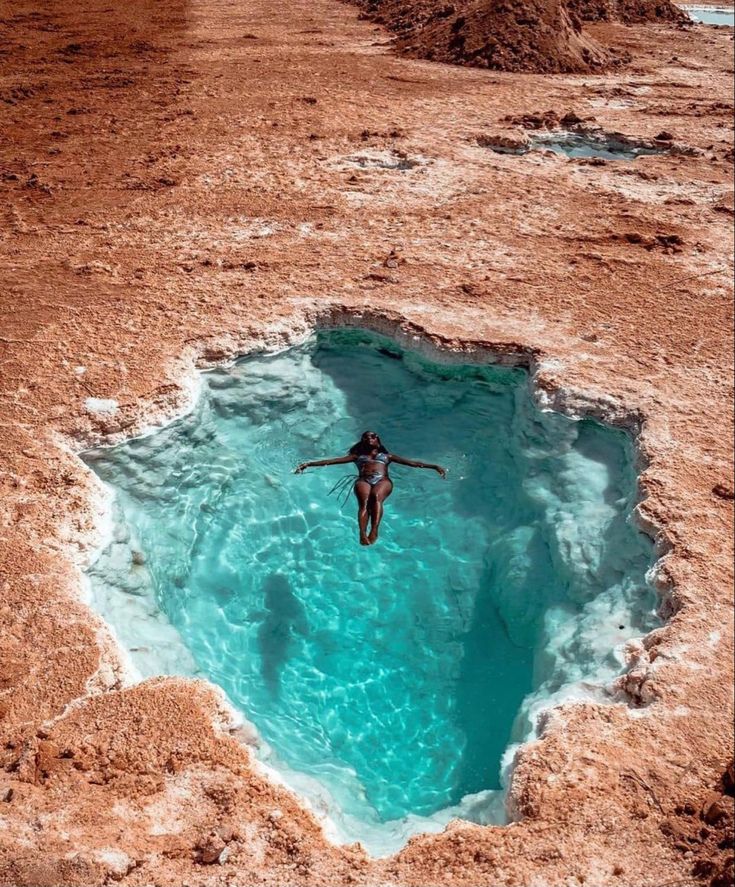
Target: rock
664 136
723 491
209 849
505 143
225 832
715 808
545 120
570 120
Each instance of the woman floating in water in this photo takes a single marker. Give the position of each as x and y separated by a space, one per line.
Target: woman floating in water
373 486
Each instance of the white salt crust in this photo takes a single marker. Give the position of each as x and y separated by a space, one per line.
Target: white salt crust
147 645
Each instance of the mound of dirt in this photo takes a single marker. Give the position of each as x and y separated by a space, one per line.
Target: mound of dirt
539 36
627 11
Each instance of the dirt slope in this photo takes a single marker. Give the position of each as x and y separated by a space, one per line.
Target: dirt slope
627 11
539 36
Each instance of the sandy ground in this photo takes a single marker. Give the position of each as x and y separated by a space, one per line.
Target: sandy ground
181 182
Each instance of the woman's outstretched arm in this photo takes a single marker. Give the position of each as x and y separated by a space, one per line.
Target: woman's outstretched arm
399 460
340 460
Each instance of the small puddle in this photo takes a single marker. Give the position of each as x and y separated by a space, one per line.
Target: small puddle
383 160
580 145
573 144
710 15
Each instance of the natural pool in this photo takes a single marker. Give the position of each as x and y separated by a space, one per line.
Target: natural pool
710 15
388 682
575 144
581 144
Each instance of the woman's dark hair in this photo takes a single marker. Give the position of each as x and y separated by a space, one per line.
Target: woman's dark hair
362 447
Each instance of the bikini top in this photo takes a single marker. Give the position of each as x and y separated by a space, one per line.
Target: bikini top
384 458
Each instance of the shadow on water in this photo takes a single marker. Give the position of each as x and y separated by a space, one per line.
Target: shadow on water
520 580
494 679
284 617
495 673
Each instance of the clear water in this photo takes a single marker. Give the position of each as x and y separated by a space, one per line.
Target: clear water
386 681
710 16
574 144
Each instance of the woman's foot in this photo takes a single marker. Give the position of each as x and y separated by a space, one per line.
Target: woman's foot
364 540
373 537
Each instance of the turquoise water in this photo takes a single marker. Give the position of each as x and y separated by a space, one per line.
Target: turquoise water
389 680
710 16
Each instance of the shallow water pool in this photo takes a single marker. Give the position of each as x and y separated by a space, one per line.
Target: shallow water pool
581 144
387 681
575 144
709 15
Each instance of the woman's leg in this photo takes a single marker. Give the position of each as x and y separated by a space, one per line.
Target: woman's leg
379 493
362 491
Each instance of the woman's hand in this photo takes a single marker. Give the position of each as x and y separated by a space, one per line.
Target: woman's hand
442 472
300 469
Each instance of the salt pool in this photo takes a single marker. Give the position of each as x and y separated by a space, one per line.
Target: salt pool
389 683
575 144
581 144
710 15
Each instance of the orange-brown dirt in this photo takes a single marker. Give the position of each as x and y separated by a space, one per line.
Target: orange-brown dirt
183 181
540 36
627 11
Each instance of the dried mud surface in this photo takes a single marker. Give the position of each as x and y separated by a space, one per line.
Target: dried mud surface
184 181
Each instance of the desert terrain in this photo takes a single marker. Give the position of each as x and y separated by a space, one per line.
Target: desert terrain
184 182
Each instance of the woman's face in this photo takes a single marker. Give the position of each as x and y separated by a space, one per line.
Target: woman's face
371 438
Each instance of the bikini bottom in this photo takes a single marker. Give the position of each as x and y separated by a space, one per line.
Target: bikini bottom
372 479
345 485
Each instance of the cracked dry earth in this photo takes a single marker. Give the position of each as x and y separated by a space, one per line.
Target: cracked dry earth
184 181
